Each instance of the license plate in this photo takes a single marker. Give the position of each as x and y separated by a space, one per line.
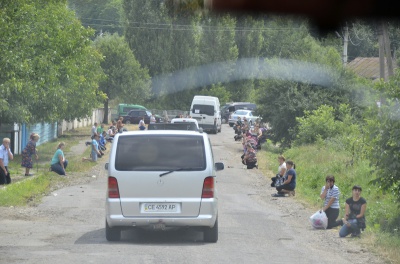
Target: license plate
160 208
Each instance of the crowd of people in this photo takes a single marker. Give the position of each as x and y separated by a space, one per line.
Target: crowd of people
286 177
353 222
252 138
284 181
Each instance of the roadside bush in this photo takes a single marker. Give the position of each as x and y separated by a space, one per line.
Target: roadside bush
319 122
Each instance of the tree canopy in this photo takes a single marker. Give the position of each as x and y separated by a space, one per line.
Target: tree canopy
125 78
50 70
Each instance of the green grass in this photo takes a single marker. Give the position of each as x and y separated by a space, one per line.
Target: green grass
27 191
314 162
24 191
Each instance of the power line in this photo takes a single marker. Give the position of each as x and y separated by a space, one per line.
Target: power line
186 29
182 27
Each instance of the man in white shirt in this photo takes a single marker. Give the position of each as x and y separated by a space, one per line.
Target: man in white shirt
5 156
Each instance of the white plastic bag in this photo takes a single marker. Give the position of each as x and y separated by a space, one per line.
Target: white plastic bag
319 220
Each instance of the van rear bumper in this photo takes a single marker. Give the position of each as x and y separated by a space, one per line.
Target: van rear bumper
122 221
207 127
205 217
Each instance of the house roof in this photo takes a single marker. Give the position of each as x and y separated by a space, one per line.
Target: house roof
368 67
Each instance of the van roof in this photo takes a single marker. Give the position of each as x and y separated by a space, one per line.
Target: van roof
161 132
183 120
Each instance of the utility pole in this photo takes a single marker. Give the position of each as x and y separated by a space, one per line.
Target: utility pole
381 53
388 52
345 44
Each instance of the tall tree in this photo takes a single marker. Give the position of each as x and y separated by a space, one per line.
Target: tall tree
49 70
149 34
125 78
310 76
101 15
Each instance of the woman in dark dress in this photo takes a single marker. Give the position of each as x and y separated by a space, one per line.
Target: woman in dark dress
27 153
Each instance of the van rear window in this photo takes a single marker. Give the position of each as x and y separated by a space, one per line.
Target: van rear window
203 109
160 153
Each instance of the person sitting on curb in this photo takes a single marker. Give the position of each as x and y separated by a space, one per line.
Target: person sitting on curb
289 183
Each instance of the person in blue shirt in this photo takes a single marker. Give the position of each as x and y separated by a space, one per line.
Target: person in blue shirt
95 153
102 141
58 162
289 183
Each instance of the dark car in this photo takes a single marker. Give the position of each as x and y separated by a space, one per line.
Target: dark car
135 115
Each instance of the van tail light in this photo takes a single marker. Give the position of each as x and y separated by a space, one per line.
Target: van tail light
113 191
208 188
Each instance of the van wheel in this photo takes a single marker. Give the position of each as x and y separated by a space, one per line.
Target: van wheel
231 124
127 122
211 234
113 234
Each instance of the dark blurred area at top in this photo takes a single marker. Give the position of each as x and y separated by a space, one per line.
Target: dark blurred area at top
326 15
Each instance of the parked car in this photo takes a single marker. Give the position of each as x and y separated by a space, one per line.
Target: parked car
160 180
135 115
243 113
229 108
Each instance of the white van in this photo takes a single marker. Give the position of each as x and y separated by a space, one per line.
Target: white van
160 180
206 110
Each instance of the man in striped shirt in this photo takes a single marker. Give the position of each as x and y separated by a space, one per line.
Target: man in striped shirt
330 192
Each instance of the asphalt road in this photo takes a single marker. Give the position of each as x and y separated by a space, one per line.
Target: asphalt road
68 227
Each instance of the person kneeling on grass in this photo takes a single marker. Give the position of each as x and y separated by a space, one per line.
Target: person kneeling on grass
354 220
102 141
58 162
95 153
289 183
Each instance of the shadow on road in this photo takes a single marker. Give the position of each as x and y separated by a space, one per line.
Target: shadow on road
171 237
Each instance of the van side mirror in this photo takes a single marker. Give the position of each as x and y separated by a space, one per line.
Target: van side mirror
106 166
219 166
